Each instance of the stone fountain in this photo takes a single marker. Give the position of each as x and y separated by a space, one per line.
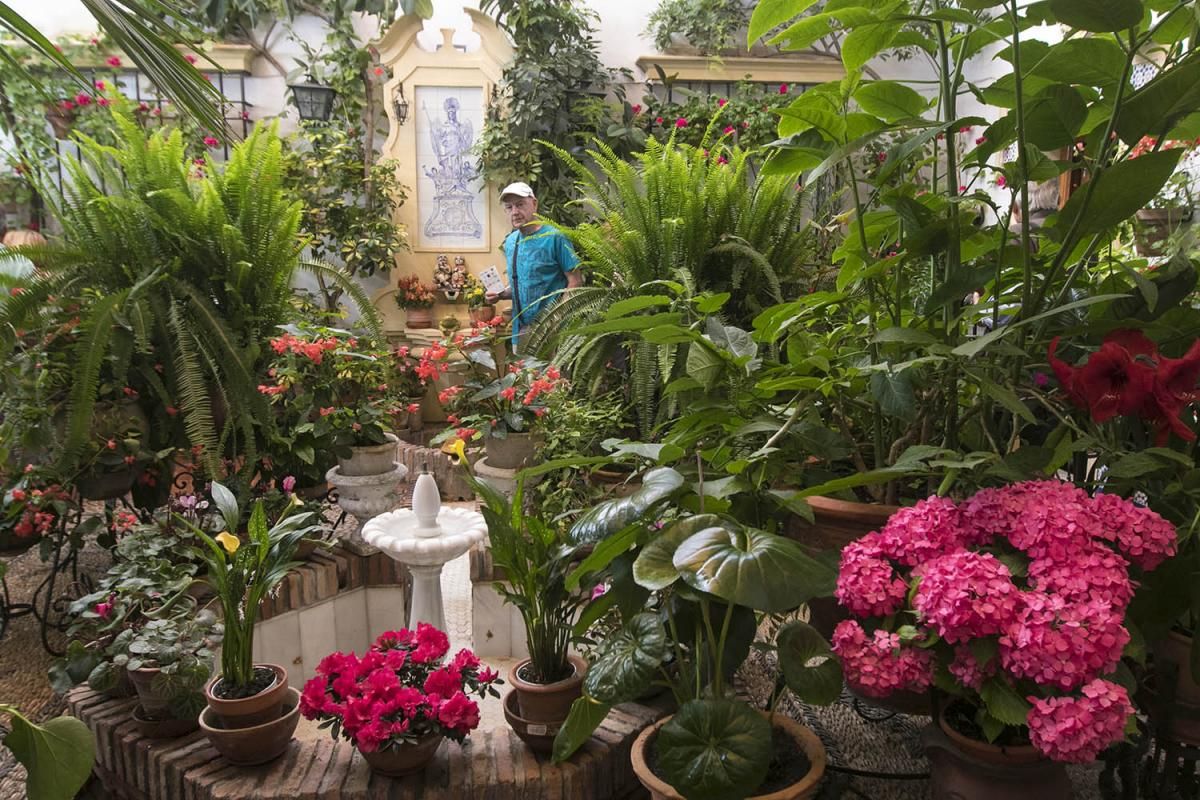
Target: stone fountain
424 538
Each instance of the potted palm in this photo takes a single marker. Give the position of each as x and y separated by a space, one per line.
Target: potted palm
534 559
245 717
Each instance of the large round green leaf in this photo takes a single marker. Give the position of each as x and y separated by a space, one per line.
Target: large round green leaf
613 515
715 750
810 668
653 568
626 663
752 568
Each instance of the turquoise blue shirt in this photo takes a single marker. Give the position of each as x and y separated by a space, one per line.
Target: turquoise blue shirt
542 261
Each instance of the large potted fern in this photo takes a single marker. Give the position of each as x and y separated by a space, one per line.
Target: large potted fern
672 224
190 271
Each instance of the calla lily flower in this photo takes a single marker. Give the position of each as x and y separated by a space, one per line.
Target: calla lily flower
230 542
459 450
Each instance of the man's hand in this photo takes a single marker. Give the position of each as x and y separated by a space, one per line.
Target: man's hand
504 295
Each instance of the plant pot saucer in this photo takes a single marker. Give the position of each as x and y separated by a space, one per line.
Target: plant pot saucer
247 747
162 728
539 736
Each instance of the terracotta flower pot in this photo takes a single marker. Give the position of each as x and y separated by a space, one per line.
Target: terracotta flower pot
836 523
514 451
418 317
154 706
248 712
62 120
961 767
1172 659
371 459
547 703
537 735
162 728
405 758
802 789
482 314
258 744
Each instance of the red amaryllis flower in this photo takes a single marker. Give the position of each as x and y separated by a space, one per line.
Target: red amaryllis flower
1065 373
1174 390
1134 341
1113 383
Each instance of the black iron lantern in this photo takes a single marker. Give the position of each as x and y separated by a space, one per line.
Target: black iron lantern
314 101
400 104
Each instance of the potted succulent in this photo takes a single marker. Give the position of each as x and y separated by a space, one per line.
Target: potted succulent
479 309
417 300
502 399
1013 602
705 578
399 700
534 559
246 718
169 660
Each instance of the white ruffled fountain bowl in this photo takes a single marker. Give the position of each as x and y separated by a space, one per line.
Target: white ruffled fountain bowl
424 539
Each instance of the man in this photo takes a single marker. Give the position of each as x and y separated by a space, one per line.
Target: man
539 258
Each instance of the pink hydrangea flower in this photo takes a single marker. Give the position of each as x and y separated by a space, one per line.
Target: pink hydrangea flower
922 532
1138 532
867 584
1076 729
1094 573
878 666
966 668
966 595
1063 645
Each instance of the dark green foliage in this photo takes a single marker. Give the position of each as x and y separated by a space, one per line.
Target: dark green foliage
192 270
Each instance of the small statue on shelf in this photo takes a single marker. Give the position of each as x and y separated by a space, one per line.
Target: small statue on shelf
450 280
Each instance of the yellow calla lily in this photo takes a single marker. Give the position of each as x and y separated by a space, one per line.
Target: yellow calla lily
230 542
459 449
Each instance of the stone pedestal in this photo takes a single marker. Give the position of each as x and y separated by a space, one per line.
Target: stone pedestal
365 497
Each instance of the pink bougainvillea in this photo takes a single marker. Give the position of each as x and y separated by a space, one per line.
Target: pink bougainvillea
399 690
1077 729
1023 588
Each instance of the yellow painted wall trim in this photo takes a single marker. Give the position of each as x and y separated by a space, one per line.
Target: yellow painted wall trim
228 58
801 68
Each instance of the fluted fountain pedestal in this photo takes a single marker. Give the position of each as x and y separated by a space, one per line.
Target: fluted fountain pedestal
425 551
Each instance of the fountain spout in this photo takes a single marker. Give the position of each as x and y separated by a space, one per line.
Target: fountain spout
426 504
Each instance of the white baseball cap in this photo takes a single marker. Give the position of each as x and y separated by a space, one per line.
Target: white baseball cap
519 188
